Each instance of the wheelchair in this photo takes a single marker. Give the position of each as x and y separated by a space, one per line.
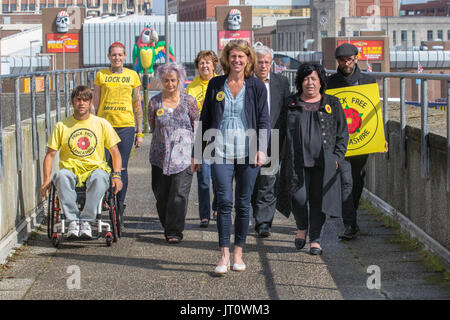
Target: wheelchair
56 223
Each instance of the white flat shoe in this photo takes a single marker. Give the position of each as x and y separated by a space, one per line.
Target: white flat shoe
239 267
222 269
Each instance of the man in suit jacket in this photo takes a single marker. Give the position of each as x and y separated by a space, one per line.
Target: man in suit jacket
264 197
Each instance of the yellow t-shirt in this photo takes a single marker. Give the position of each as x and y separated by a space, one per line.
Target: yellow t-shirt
197 89
82 144
116 96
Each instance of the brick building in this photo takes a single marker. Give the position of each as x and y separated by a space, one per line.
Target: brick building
198 10
94 7
359 8
431 8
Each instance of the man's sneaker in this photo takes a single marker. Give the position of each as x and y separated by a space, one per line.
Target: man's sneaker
85 231
73 230
349 233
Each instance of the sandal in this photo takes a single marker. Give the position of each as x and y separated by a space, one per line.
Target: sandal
173 240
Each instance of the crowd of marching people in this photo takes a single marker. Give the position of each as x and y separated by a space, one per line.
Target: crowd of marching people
253 144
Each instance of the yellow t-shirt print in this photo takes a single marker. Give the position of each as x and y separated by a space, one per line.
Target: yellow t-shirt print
82 144
116 96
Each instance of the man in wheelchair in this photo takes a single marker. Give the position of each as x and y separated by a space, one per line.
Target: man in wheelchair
82 139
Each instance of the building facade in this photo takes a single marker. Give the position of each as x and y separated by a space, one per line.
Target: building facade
198 10
430 8
93 7
384 8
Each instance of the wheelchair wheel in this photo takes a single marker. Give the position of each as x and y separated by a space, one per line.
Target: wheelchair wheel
109 239
56 239
53 211
114 215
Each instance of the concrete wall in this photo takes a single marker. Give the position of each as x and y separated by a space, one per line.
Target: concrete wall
425 202
21 206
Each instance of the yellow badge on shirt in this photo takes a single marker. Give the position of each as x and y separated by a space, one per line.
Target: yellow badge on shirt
220 96
328 108
160 112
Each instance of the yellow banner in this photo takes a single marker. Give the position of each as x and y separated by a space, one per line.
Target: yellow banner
362 109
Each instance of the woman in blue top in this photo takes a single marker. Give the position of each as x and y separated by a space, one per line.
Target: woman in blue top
235 125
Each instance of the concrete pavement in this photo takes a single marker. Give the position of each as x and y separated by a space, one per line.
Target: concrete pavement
141 265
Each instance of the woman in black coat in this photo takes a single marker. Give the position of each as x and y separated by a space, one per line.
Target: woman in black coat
314 129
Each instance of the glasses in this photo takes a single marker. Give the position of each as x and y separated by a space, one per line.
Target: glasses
347 60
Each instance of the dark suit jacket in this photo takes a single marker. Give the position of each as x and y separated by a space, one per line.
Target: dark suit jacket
256 109
279 92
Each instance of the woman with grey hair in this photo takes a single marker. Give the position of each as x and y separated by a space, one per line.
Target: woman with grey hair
171 115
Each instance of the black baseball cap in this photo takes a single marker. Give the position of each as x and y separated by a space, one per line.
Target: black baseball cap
346 50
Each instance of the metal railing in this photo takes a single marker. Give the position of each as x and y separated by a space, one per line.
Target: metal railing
68 79
424 104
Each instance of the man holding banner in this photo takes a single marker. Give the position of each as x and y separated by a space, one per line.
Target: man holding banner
353 169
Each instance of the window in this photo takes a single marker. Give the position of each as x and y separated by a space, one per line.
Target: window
356 33
394 38
5 8
430 35
413 37
404 38
324 34
24 7
448 34
440 34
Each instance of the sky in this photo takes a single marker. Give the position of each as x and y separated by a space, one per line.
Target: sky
158 5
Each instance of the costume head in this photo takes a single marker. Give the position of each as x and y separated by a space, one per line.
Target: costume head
62 22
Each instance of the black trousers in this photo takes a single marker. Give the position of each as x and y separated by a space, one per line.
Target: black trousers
353 173
307 204
264 200
172 196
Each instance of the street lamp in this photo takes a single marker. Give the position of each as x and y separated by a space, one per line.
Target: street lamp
64 53
31 54
167 30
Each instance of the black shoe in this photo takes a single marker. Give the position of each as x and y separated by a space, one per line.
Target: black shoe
315 251
204 223
300 243
349 233
263 231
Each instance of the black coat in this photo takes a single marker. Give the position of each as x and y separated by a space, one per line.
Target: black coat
256 108
339 80
334 133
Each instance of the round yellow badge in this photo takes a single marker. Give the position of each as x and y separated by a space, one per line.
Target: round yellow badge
160 112
220 96
328 108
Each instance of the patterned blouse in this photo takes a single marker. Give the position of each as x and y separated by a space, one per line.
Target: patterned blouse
173 133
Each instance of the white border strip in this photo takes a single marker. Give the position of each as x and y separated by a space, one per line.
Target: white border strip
408 226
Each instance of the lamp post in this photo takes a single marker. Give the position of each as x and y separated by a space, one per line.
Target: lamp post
167 30
31 54
64 53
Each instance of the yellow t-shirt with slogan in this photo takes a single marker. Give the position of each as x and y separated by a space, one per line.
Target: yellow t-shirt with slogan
116 96
82 144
